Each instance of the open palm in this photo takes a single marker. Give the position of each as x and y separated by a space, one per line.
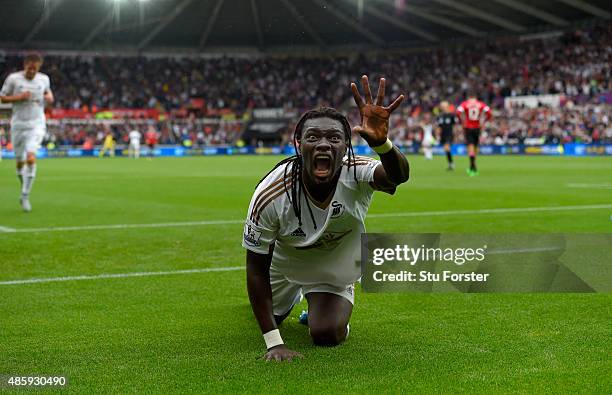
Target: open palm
374 126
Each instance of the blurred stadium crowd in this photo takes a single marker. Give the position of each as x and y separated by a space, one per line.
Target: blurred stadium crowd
577 64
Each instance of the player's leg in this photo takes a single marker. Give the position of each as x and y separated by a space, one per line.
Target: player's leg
471 154
428 150
476 149
136 151
32 143
112 151
472 139
18 142
446 141
328 316
285 295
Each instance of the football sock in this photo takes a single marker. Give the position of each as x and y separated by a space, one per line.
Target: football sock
20 176
29 174
473 163
449 157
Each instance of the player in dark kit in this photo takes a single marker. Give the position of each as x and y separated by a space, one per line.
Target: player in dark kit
446 122
473 114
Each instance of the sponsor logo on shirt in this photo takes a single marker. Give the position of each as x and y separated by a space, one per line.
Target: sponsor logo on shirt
298 233
328 241
337 209
251 236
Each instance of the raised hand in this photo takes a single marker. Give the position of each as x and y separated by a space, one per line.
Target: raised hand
374 116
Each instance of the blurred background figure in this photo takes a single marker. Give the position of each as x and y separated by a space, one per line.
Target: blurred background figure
134 144
109 146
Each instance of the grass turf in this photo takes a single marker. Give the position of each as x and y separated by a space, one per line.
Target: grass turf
189 332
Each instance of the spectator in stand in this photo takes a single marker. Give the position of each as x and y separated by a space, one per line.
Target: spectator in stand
577 64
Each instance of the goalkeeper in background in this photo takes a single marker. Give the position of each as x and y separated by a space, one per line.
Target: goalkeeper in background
108 146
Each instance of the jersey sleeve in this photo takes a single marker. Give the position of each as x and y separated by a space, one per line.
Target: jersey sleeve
8 88
487 110
459 113
365 167
47 84
262 223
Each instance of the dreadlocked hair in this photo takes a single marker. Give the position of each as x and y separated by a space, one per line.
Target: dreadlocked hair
296 161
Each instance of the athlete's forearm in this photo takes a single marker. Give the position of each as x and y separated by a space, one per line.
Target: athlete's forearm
260 290
396 166
49 98
11 99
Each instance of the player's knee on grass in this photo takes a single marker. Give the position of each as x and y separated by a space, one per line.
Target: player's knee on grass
327 333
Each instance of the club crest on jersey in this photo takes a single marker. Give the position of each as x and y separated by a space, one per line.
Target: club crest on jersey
251 236
298 233
337 209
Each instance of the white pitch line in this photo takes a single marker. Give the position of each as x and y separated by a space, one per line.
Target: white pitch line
120 275
127 226
524 250
202 270
590 186
379 215
6 229
491 211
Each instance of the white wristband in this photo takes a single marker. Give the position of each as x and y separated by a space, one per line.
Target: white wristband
273 338
384 147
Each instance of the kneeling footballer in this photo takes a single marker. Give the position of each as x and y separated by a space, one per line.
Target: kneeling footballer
306 218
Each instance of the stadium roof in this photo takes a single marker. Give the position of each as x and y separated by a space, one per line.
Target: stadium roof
271 25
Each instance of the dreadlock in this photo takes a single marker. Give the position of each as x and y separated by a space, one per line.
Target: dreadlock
296 161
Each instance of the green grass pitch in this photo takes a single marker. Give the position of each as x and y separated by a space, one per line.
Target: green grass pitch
195 332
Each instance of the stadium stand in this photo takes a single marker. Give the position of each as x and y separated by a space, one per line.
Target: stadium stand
168 92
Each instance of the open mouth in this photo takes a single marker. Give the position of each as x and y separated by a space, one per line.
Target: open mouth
322 166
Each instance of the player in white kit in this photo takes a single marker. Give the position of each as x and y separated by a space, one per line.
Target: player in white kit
306 218
28 91
428 137
134 147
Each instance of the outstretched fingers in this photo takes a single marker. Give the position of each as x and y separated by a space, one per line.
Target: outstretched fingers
357 96
366 89
380 97
391 107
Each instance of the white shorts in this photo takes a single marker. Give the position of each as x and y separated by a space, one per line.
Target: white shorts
25 141
135 145
428 141
286 294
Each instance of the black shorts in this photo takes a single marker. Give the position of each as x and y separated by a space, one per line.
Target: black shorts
446 138
151 146
472 136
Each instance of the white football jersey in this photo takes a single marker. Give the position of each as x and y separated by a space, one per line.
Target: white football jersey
135 137
427 132
328 254
28 114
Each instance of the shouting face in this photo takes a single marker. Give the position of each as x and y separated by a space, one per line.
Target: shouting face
323 145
